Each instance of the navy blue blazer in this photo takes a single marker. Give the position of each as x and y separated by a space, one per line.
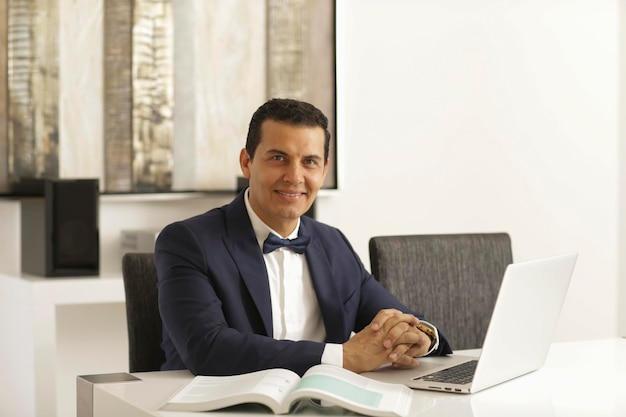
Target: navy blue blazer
214 295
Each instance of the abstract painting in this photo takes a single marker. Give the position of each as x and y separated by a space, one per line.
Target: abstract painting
29 135
139 95
153 95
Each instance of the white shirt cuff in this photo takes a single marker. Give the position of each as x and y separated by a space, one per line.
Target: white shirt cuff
333 354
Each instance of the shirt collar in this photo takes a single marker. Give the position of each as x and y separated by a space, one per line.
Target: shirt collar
261 230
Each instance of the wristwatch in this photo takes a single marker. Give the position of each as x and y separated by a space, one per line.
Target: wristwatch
430 332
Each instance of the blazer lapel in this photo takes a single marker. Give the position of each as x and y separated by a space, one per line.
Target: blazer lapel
242 244
327 294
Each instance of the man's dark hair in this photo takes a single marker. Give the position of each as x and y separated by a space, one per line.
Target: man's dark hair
284 110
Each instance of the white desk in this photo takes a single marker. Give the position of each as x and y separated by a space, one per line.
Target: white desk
52 330
586 378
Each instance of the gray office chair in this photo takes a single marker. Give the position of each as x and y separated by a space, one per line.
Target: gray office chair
142 312
452 279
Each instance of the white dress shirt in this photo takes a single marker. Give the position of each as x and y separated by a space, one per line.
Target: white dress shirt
296 313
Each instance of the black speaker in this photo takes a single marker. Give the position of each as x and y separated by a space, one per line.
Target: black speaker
60 234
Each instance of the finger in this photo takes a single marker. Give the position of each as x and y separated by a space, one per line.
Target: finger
400 329
410 345
382 317
416 351
402 348
394 334
411 339
404 360
420 347
399 317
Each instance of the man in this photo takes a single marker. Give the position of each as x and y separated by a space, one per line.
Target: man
232 304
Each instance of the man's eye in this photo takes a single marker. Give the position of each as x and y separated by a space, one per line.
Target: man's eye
278 157
310 162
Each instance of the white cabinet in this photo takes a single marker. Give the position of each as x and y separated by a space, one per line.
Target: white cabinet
52 330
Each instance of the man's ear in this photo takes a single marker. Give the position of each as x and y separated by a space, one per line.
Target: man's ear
244 163
326 166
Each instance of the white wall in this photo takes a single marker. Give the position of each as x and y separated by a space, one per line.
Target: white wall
622 181
483 116
118 213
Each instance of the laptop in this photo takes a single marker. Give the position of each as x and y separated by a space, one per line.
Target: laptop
518 338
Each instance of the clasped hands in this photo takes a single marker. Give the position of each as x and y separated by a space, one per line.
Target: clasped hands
390 337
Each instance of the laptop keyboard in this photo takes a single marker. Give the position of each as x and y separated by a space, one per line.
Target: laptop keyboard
458 374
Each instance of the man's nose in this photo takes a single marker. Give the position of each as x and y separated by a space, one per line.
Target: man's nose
294 173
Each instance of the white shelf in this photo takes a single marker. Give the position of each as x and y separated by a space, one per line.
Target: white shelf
173 196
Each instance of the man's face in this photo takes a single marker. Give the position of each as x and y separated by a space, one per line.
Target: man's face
287 172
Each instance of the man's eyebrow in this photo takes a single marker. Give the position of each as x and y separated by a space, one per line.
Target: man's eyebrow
275 151
279 152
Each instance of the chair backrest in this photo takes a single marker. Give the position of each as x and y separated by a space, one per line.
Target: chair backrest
452 279
142 312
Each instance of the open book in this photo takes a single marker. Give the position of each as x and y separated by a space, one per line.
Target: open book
281 390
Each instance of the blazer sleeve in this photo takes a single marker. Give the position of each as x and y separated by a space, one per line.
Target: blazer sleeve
373 297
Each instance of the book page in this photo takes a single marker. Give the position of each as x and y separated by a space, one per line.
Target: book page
354 392
205 393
